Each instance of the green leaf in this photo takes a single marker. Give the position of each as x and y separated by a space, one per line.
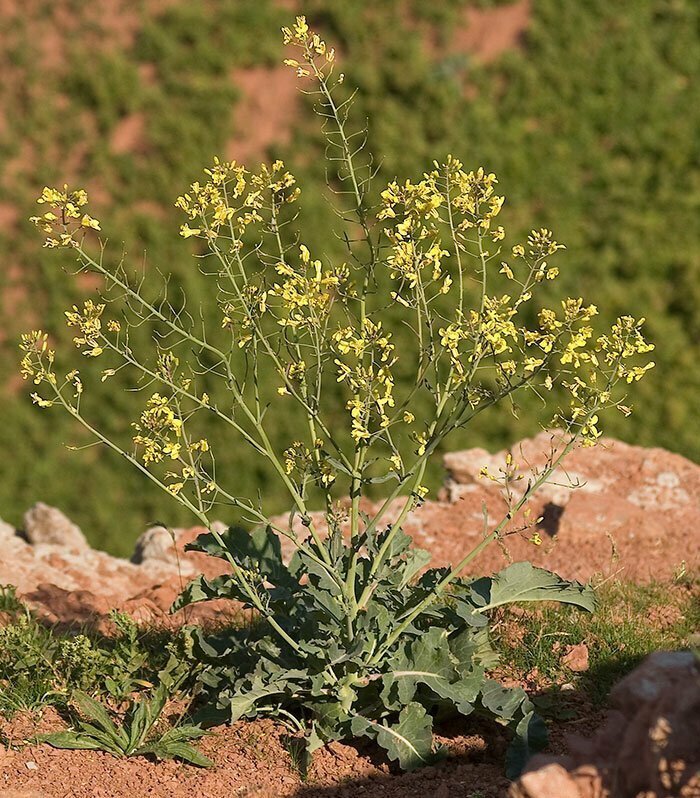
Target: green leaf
95 712
242 703
473 647
188 753
414 561
105 740
530 737
503 702
138 724
259 549
429 661
173 749
203 589
182 733
522 581
72 740
410 741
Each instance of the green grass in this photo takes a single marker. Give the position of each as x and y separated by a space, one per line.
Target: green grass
591 127
631 622
42 666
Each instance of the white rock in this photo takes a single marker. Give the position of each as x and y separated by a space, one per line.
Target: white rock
156 543
45 524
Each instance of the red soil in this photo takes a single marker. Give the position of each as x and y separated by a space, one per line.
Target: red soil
252 759
489 32
265 113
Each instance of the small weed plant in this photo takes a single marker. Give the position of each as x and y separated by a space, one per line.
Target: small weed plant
357 638
137 733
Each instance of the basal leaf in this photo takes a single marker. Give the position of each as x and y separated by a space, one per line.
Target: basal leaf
522 581
174 749
202 589
242 703
73 740
95 712
410 740
473 647
258 549
503 702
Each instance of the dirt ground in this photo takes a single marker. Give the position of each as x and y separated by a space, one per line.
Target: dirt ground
253 760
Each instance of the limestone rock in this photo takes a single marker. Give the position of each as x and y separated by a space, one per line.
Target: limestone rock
633 517
156 543
45 524
549 781
55 606
660 672
648 745
7 531
576 658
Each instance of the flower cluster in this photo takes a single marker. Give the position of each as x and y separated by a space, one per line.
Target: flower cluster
307 293
160 431
624 342
37 365
474 198
417 252
316 56
488 332
38 359
368 377
541 245
191 470
161 436
608 362
67 217
89 322
572 326
243 317
302 463
232 198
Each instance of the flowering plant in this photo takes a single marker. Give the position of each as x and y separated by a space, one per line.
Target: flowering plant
356 638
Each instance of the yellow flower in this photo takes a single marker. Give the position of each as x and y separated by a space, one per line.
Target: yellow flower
88 221
38 400
172 449
186 231
447 283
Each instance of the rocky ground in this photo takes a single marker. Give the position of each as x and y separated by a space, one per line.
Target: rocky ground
632 517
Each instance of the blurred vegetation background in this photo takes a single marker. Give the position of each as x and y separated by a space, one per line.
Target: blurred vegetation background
588 112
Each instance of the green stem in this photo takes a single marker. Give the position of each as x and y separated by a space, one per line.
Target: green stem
462 564
249 590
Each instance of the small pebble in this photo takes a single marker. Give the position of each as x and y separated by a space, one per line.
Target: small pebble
31 765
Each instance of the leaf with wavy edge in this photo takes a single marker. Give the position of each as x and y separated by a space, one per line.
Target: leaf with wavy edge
410 741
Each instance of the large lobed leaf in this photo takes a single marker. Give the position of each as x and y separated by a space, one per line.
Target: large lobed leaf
410 740
522 581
